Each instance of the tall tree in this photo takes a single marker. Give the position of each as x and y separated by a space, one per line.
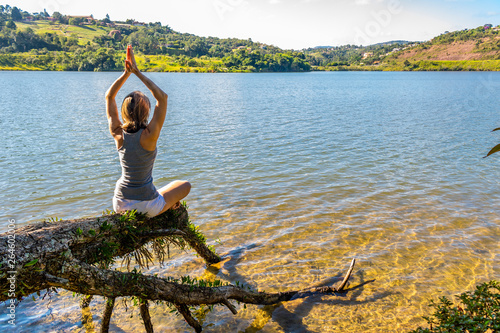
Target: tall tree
16 14
57 16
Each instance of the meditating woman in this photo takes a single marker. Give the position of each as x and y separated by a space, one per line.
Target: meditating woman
136 143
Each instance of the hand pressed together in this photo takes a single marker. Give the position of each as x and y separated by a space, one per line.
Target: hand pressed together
130 64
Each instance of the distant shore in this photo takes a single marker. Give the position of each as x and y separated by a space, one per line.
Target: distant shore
55 61
421 66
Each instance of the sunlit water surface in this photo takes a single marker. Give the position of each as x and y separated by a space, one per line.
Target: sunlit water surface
295 174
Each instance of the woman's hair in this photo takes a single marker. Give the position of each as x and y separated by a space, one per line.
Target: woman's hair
135 111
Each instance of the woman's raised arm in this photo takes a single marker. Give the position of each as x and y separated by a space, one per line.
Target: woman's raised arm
161 97
112 109
160 112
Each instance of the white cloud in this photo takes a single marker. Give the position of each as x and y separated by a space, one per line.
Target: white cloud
366 2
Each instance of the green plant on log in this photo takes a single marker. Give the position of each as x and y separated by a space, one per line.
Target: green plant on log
130 224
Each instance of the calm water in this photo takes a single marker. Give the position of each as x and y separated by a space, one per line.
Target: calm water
294 173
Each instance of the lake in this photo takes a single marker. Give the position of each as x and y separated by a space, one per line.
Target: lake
293 175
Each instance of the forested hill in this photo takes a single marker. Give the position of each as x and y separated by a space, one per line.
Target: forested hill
61 42
40 41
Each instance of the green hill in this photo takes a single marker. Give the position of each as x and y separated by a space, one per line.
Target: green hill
467 50
474 49
470 49
33 41
38 41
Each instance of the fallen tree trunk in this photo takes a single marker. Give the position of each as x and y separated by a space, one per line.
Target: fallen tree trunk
76 255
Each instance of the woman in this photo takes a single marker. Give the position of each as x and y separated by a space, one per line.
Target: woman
136 143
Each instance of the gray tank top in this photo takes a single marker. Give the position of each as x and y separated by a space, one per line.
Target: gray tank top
136 182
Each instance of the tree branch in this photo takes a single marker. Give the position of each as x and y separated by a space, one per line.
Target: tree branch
106 316
146 318
184 311
90 280
75 255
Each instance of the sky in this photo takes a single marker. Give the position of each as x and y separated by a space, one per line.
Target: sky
291 24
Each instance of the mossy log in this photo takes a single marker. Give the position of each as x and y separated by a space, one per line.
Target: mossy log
76 255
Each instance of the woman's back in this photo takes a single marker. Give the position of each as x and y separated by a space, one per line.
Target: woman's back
136 182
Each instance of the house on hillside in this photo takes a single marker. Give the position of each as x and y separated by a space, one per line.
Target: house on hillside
367 55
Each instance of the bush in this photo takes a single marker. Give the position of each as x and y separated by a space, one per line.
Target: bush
11 25
478 311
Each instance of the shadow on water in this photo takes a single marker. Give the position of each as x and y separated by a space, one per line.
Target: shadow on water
115 329
214 271
291 320
231 261
92 323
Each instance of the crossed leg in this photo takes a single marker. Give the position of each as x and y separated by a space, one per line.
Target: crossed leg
174 192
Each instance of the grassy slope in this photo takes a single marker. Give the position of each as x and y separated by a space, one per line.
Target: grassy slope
482 54
483 49
162 63
470 55
83 33
147 63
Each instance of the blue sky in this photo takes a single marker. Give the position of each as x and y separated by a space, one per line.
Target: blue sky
292 23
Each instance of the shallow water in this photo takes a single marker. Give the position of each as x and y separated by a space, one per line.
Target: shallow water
295 174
